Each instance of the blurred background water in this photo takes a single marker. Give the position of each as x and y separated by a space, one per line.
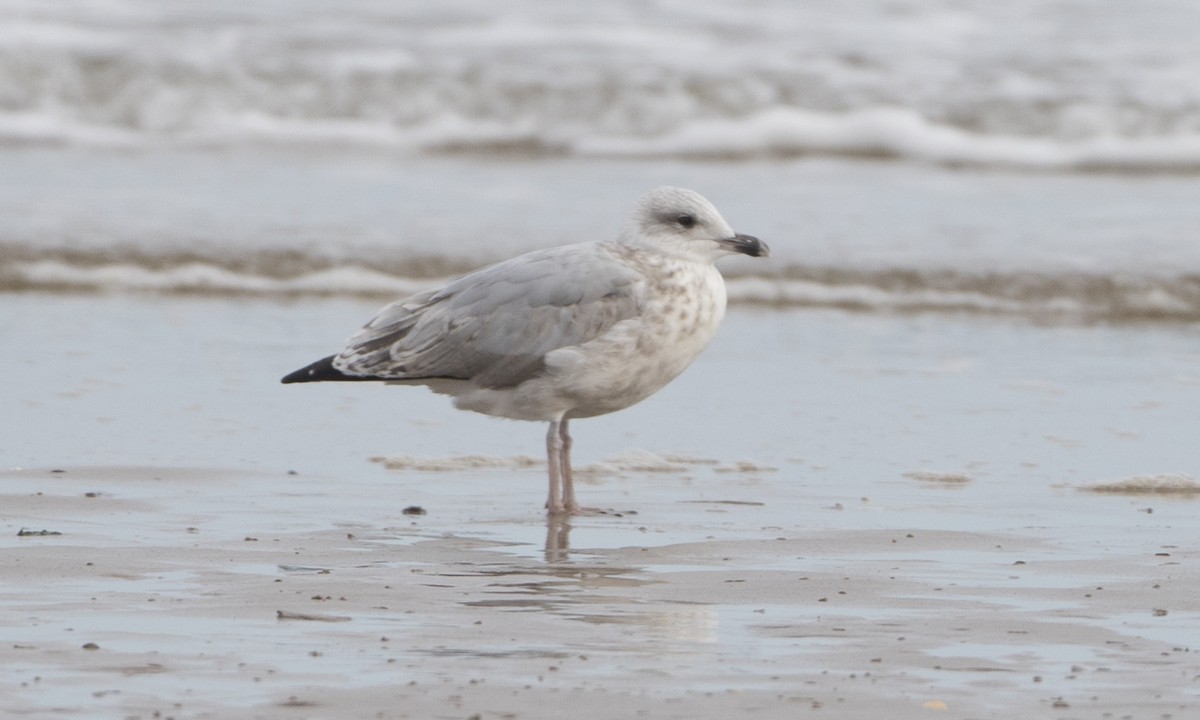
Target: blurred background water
1030 158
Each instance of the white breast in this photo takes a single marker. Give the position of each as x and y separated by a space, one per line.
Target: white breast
682 304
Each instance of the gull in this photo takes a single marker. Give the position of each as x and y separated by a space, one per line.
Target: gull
560 333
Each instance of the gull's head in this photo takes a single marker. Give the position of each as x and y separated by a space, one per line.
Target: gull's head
681 222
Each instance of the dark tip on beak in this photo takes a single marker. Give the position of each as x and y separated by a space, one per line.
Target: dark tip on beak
747 245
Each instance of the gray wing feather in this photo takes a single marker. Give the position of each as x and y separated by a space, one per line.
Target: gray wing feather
496 325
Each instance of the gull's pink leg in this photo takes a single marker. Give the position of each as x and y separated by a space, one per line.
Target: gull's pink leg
568 483
554 503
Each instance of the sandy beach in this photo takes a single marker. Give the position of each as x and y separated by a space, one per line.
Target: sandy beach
310 598
915 529
940 461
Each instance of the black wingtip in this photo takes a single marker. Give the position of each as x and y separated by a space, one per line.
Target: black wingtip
321 370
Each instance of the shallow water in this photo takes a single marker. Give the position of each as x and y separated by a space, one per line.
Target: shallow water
833 396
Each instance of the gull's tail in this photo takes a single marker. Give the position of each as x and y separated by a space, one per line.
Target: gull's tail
321 371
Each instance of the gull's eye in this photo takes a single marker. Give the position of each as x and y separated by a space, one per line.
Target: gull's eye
686 220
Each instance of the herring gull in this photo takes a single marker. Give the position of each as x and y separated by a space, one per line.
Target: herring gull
560 333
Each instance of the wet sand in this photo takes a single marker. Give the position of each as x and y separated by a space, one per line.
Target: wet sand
830 515
216 593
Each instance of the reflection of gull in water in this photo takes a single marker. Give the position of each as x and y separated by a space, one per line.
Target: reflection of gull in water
561 333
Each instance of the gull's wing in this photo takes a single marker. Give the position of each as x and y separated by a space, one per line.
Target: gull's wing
495 326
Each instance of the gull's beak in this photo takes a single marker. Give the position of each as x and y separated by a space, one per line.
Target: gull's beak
746 245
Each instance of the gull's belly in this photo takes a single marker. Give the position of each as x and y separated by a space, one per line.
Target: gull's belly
640 356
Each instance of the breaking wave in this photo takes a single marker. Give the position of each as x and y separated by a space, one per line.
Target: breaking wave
974 83
1069 296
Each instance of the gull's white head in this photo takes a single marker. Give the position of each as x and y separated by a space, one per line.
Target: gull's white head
681 222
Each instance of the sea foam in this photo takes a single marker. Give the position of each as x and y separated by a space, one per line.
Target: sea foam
1068 296
971 83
